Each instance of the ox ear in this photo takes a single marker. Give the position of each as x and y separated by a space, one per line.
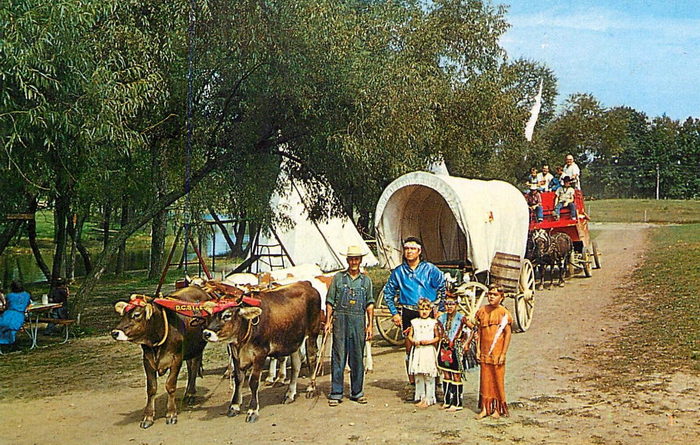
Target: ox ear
120 306
250 312
149 311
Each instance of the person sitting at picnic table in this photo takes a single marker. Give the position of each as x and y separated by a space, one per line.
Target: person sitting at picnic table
58 294
534 202
13 317
565 198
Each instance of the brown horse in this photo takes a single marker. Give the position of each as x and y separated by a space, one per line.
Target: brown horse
550 251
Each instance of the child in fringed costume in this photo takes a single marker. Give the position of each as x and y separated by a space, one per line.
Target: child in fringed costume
454 336
423 335
494 331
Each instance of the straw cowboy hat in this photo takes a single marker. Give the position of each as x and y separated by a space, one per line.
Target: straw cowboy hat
354 251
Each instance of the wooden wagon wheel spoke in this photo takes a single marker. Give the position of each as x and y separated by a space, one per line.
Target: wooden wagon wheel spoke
386 327
525 298
470 297
596 255
587 260
526 284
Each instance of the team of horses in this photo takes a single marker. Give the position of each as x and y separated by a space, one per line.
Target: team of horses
549 251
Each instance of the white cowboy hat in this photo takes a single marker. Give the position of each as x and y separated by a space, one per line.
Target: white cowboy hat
354 251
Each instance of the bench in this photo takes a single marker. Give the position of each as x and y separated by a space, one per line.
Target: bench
66 323
548 199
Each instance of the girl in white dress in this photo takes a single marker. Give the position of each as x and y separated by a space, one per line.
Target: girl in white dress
423 335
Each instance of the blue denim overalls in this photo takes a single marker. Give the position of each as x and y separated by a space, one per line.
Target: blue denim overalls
349 337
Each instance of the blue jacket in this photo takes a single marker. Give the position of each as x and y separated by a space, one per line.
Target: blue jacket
426 281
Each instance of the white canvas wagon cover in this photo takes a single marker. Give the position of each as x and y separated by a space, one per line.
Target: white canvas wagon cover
456 218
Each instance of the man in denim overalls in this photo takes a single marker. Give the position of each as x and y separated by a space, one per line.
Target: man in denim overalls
349 312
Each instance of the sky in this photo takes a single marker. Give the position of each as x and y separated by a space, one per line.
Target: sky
640 53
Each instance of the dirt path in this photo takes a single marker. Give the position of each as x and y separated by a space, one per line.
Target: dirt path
548 386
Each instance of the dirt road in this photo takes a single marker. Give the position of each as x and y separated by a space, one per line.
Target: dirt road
549 382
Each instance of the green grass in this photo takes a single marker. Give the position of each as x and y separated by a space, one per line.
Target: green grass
669 285
663 310
644 210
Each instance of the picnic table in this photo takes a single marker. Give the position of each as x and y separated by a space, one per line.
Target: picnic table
34 317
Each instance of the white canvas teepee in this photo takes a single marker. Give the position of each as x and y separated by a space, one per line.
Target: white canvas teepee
306 242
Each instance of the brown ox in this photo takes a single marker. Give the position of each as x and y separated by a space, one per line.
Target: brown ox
166 339
287 315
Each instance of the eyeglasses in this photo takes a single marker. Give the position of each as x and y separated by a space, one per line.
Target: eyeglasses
450 303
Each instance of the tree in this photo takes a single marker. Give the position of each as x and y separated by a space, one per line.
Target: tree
342 94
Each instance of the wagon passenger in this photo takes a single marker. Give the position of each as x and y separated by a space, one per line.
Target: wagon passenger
411 280
532 178
565 198
349 297
555 184
534 202
544 178
572 170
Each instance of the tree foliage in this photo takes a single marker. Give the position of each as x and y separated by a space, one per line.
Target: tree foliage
341 95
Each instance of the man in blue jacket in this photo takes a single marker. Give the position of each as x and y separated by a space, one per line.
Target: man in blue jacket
411 280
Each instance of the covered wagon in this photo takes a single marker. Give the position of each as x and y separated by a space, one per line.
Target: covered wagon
475 229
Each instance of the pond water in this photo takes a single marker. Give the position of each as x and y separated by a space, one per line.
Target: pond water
24 268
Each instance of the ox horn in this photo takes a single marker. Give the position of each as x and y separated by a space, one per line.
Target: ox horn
120 306
250 312
149 311
209 306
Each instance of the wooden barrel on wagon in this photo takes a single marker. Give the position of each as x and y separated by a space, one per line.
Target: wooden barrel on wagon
516 277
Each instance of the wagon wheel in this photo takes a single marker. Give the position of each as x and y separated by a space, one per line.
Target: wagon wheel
525 298
386 327
587 266
470 296
596 255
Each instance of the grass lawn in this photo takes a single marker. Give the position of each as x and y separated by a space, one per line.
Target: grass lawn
668 286
663 310
644 210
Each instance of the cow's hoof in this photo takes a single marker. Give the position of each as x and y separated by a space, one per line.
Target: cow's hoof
171 420
146 423
561 284
288 400
233 412
189 399
269 382
251 417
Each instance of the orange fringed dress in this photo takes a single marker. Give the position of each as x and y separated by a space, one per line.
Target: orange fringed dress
492 393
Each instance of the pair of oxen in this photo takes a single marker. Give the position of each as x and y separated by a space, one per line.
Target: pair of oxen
270 323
